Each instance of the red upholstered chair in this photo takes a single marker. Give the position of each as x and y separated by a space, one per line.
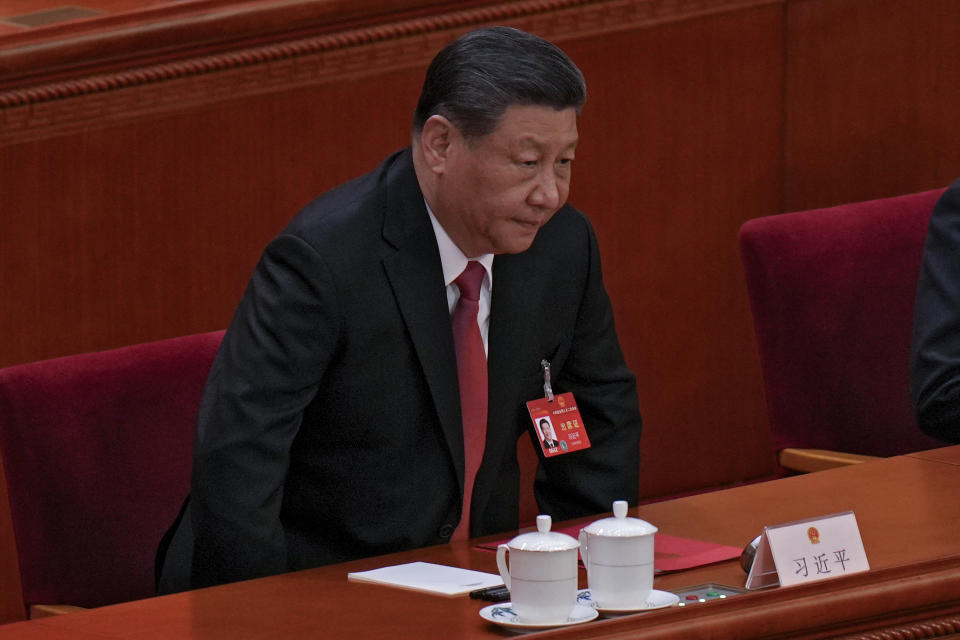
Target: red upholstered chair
832 293
97 454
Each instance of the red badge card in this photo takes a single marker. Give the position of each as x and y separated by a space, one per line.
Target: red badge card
558 425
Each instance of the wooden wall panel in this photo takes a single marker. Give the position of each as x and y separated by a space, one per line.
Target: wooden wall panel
872 98
680 146
150 229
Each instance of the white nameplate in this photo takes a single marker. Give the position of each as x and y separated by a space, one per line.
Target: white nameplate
808 550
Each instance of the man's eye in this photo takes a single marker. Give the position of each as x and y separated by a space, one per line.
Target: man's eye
528 163
565 162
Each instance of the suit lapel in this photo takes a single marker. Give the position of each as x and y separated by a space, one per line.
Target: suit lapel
416 276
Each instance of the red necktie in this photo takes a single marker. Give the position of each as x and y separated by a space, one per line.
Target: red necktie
472 375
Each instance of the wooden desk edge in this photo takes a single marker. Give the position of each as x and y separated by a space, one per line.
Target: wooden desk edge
896 597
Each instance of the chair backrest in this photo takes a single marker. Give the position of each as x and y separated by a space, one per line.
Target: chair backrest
97 453
832 292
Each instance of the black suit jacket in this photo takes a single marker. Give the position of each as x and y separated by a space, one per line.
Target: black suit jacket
330 427
935 357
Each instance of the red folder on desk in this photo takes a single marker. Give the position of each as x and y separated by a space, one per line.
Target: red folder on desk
671 553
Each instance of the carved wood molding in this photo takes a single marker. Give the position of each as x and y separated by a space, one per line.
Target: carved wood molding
936 628
94 99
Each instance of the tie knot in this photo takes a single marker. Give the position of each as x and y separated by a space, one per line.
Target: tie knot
469 281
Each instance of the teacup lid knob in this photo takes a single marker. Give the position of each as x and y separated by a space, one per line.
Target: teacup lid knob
543 523
620 508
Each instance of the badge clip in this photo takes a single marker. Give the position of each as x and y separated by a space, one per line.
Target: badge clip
547 389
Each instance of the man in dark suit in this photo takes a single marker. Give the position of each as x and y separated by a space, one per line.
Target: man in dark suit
331 425
935 357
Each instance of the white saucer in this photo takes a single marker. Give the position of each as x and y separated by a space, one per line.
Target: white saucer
504 615
655 600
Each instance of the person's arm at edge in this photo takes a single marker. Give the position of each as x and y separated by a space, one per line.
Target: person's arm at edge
267 371
935 352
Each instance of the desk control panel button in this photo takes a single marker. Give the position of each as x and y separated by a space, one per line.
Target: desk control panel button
706 592
446 531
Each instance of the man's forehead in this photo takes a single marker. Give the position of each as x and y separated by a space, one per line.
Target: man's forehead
536 125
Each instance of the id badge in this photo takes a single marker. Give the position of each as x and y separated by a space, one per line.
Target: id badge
558 425
556 421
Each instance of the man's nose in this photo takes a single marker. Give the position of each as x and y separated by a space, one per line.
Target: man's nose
548 192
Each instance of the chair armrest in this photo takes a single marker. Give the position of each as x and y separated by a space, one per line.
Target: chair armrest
807 460
44 610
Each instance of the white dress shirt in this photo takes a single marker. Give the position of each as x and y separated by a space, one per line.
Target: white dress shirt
454 262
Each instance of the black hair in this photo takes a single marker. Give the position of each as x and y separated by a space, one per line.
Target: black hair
473 80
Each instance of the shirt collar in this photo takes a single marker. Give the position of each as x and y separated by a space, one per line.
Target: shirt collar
452 258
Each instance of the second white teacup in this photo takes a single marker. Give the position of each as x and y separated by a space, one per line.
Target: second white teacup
618 555
542 577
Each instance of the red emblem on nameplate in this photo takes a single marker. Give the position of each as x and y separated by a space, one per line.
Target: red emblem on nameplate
814 535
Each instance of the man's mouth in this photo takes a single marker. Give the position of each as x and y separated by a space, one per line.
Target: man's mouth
532 225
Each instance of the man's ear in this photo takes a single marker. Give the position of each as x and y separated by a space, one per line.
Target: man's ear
435 139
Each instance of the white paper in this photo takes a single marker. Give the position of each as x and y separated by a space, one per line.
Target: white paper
429 577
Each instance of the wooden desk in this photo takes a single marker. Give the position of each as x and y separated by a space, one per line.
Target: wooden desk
907 509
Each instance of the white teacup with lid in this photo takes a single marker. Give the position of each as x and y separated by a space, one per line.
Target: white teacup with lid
542 577
618 555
